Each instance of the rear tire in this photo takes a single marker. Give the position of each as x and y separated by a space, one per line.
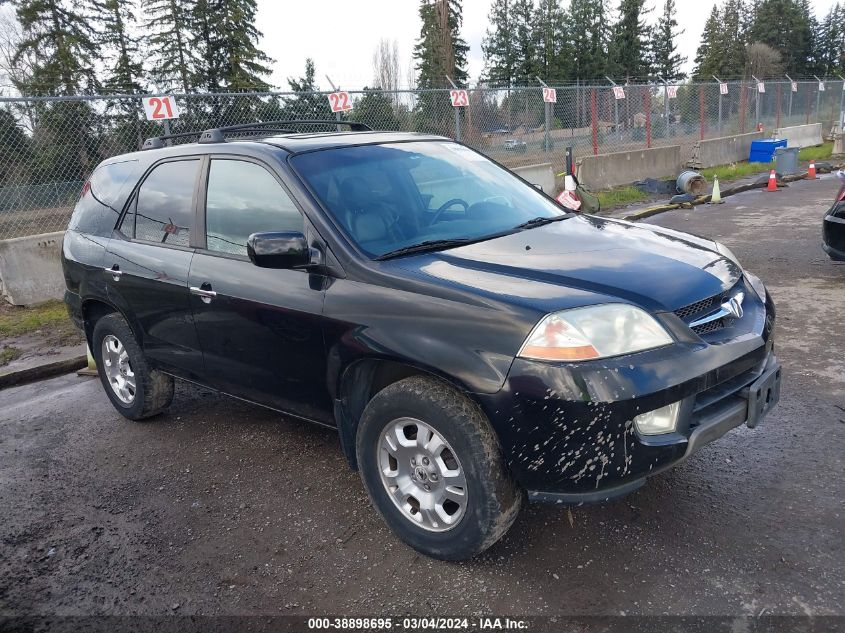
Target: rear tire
433 468
135 390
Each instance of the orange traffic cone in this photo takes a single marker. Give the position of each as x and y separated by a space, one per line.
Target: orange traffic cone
811 173
773 182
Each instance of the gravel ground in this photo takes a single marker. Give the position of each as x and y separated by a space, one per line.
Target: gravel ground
219 507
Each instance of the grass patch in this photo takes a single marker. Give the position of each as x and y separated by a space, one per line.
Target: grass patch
8 354
620 196
736 170
822 152
16 320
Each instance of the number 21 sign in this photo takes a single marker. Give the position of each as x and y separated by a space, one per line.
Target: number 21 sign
161 108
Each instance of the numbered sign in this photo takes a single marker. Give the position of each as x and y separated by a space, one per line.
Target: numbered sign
619 92
821 86
672 92
340 101
794 86
761 87
549 95
160 108
723 88
460 98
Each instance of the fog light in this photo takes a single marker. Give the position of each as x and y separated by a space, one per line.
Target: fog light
662 420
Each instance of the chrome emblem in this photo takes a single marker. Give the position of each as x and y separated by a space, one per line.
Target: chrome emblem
733 306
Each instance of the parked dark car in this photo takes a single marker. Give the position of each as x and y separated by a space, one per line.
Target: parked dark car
833 225
472 342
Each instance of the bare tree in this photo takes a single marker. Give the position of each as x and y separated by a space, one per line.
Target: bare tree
763 60
388 75
13 72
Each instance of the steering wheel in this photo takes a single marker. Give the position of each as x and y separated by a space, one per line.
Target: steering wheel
446 205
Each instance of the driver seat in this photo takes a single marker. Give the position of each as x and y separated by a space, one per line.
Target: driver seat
368 219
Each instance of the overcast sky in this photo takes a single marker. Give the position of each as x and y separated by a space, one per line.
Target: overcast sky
341 35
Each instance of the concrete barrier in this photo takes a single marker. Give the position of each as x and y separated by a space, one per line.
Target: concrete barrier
623 168
801 135
542 175
30 268
722 151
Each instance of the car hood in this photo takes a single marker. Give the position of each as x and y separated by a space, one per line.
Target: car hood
583 260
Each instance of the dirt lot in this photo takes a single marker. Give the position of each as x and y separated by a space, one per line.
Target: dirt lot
218 507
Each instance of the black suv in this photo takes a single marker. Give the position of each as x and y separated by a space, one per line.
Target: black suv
472 342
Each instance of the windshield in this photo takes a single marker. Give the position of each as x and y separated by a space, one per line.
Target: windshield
395 196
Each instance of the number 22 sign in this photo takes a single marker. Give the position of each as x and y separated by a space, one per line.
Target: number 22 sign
460 98
160 108
340 101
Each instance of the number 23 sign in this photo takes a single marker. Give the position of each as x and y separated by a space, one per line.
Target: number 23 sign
160 108
460 98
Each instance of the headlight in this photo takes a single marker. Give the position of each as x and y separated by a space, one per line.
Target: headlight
757 285
611 329
724 251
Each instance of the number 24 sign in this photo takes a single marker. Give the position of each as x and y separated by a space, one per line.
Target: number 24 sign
161 108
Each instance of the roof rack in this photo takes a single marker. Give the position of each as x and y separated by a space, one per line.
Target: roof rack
218 134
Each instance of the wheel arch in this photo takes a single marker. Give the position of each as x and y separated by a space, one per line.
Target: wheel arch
94 309
362 379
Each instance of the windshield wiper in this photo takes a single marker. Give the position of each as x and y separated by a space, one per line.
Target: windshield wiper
535 222
428 245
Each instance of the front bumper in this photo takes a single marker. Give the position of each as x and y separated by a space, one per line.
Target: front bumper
567 431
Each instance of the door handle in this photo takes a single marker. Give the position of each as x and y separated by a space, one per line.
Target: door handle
205 295
114 271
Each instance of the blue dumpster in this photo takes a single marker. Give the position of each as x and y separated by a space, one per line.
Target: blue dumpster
764 151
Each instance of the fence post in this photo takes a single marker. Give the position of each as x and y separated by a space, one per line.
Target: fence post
777 120
594 115
701 108
807 106
615 109
647 108
719 81
743 106
818 99
457 124
842 104
789 112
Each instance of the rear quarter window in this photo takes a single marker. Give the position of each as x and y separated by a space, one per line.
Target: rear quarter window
102 198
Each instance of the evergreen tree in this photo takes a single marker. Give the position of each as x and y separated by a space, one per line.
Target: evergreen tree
62 42
708 56
830 42
665 57
169 35
589 34
440 51
527 42
786 26
117 19
553 53
498 45
733 37
226 38
629 54
375 108
307 104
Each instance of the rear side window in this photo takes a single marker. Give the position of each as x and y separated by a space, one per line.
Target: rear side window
103 197
163 209
244 198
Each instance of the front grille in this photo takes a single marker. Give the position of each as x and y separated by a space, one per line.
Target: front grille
704 308
695 308
706 328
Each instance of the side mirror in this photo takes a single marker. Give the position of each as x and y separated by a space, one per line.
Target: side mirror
281 249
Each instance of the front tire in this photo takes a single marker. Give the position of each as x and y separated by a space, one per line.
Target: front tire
433 469
135 390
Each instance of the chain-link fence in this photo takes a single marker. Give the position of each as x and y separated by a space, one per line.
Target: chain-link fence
49 145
